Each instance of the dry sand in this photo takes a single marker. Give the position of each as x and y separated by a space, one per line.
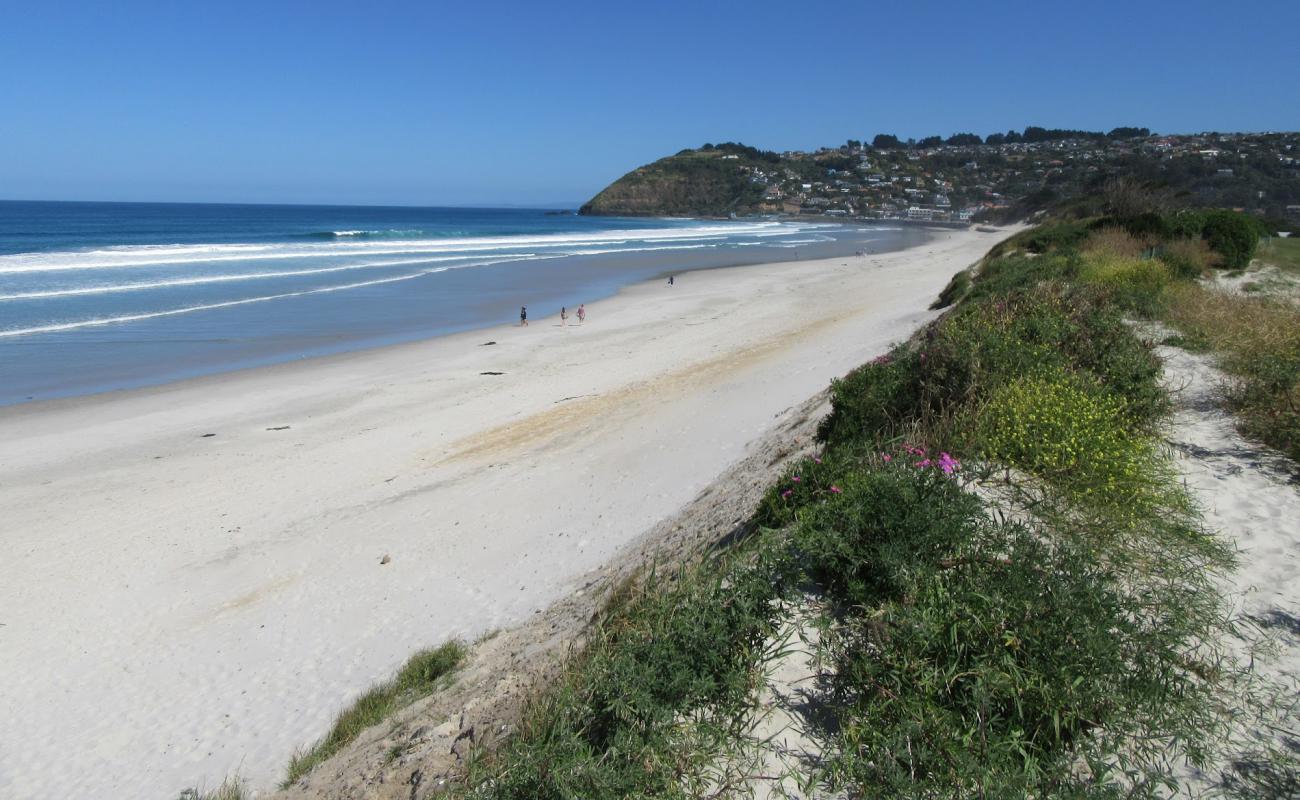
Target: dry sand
194 579
1249 494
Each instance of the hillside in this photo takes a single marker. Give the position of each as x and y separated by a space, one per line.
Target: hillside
1001 178
711 181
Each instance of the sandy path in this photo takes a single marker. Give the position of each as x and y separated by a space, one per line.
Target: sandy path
1250 494
176 606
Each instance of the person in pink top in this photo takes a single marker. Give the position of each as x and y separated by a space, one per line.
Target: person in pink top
582 313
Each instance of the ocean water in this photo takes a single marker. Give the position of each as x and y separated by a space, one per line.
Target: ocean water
102 296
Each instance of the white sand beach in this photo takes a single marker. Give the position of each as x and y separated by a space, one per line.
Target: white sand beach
194 578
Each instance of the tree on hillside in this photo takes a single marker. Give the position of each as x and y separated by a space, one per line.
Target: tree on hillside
886 141
1129 133
930 141
963 139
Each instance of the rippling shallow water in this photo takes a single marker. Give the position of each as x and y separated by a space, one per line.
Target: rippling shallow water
101 296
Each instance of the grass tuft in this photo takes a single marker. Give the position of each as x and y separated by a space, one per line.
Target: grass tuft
230 789
422 674
1258 340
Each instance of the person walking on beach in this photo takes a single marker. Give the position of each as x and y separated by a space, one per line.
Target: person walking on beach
670 280
523 316
582 313
564 316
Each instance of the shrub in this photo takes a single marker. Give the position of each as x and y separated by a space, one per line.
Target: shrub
1003 671
1056 236
1136 284
873 399
1114 243
1074 436
1000 277
1046 331
1187 259
886 522
663 685
954 291
1233 236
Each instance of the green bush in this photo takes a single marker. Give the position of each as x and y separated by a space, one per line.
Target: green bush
1135 284
954 291
1075 436
1001 672
976 658
1045 331
1233 236
616 725
886 522
1001 277
873 399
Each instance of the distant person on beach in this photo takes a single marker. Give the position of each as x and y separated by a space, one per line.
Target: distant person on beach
582 313
670 280
564 315
523 316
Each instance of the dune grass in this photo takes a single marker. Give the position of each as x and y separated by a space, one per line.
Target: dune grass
1258 342
230 789
1281 253
422 674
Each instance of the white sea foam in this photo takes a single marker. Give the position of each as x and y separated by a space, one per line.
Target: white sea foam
208 279
171 312
449 253
179 255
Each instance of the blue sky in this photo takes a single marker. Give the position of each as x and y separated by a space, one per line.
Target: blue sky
533 103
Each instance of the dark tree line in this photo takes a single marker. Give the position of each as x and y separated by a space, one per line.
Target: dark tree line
1031 134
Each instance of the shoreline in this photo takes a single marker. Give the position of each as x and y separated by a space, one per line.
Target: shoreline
205 558
261 352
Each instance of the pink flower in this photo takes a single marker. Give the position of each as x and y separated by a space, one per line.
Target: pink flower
886 457
795 479
948 464
816 460
923 464
787 493
836 490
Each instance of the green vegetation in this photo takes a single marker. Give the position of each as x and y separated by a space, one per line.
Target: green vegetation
1258 339
1281 253
230 789
657 692
1004 177
956 289
704 182
1070 653
422 674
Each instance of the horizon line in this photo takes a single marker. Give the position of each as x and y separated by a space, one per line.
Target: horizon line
487 207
